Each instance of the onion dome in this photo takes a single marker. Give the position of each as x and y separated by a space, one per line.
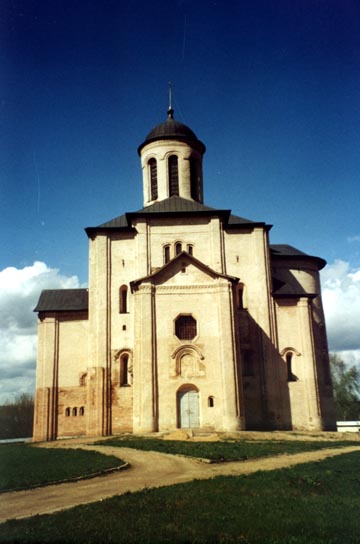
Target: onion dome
172 130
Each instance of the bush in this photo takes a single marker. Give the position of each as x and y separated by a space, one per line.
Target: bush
16 418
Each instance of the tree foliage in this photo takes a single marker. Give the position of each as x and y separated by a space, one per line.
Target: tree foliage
16 417
346 385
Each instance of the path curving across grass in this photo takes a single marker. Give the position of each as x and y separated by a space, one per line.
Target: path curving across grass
315 503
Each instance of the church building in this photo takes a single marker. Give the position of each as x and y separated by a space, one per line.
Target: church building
192 319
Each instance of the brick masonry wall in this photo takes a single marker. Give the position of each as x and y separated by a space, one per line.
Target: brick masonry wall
122 409
71 399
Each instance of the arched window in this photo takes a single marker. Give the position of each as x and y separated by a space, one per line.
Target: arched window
178 248
240 296
74 411
166 254
123 299
190 249
81 411
290 376
211 402
153 179
173 175
185 327
67 412
124 369
83 379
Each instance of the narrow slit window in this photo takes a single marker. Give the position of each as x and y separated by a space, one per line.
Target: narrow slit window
82 411
166 254
173 175
190 249
124 369
211 402
290 375
67 412
123 299
240 296
74 411
178 248
153 179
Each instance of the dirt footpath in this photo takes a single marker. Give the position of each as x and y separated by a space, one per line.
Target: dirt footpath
148 469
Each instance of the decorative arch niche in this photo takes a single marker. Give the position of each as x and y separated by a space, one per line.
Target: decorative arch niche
187 362
124 370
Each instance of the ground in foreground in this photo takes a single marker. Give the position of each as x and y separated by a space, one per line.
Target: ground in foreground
316 502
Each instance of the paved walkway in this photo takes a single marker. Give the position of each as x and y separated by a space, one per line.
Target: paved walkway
148 469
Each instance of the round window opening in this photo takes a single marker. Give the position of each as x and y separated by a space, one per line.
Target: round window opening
185 327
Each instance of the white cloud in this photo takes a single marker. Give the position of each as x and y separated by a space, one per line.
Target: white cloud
19 293
341 299
351 357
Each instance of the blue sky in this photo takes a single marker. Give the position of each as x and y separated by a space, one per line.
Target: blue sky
271 88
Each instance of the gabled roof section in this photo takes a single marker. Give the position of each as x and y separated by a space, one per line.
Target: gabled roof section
284 251
118 222
182 257
179 207
63 300
175 206
237 222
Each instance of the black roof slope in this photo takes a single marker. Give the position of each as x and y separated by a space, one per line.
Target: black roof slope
171 129
284 251
63 300
175 205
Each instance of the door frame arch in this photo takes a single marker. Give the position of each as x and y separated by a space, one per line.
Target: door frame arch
180 394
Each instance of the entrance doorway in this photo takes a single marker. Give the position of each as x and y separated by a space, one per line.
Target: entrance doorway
188 405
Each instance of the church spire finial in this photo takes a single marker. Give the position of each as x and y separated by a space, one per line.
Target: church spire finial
170 110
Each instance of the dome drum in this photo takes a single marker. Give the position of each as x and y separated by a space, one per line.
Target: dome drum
171 160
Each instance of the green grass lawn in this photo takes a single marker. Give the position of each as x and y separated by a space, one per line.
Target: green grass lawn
23 466
316 503
231 450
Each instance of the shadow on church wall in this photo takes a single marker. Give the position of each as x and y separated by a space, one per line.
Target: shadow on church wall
265 379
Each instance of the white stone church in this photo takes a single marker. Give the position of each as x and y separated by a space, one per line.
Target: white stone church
192 319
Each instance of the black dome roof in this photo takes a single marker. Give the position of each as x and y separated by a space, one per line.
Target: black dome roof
172 130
